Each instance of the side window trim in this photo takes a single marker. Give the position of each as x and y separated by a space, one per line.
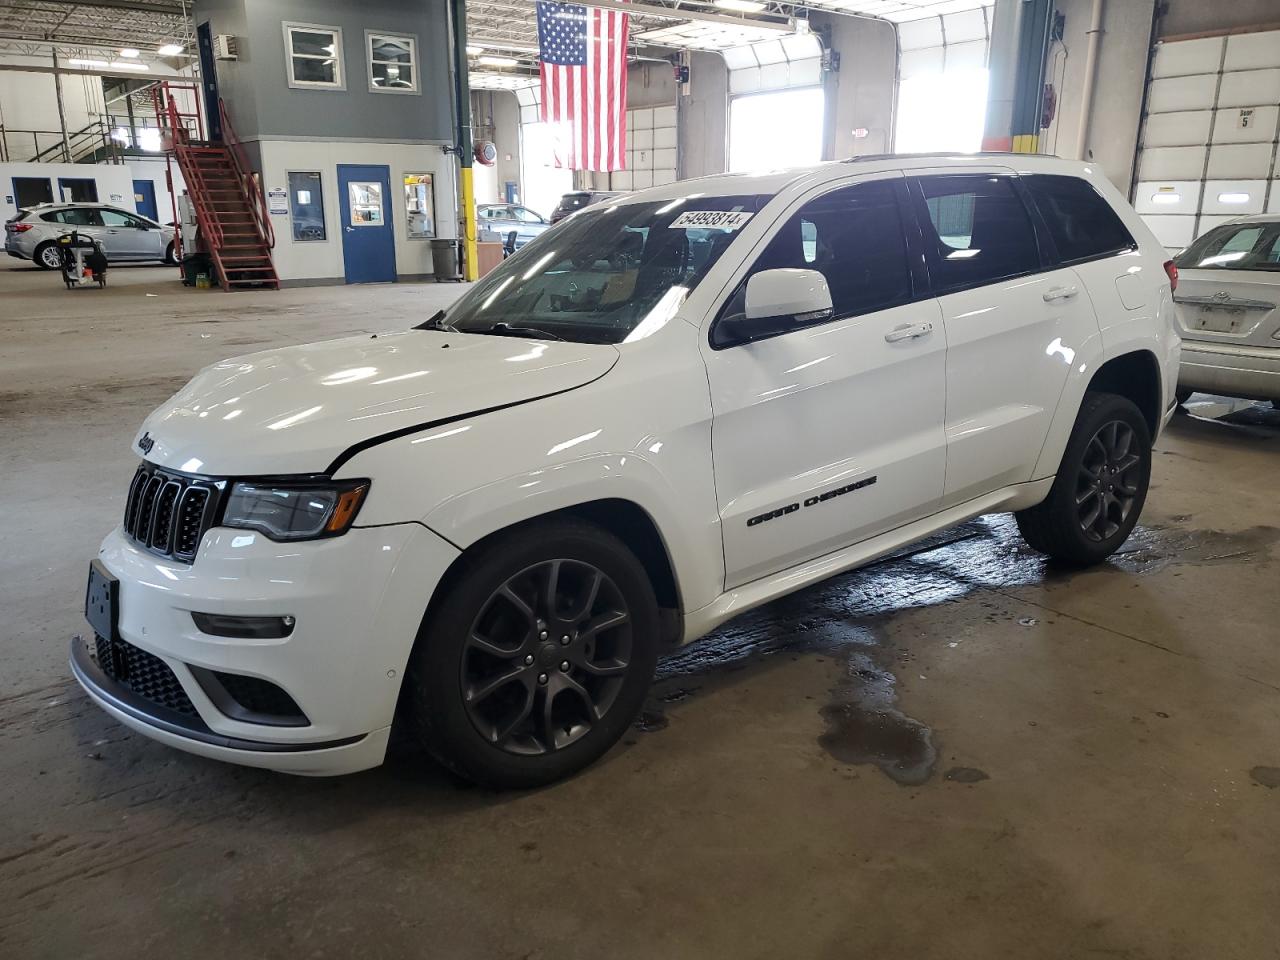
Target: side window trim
914 241
921 206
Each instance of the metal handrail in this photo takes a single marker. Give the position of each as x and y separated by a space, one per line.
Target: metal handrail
97 132
247 182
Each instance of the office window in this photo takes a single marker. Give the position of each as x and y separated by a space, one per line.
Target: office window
314 56
306 206
393 63
420 205
1082 224
980 233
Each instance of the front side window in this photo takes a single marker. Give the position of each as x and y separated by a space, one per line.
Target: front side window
393 63
306 206
420 205
314 56
976 231
1083 225
1234 246
854 238
525 215
607 275
117 218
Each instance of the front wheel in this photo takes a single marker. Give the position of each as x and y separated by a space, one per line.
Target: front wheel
538 657
170 256
1101 485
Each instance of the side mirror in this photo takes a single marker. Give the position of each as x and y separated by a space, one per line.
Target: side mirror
787 294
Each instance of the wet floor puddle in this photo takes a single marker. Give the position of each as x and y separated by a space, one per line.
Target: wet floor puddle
863 722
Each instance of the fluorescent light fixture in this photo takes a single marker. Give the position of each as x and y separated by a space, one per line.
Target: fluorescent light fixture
127 65
492 61
473 50
1166 197
1233 198
170 49
745 6
130 53
92 64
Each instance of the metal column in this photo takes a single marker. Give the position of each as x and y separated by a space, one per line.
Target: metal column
462 97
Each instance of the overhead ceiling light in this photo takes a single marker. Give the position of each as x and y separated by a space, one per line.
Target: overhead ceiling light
170 49
130 53
745 6
491 61
126 65
91 64
474 50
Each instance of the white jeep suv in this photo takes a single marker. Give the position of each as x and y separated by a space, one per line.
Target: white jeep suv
664 411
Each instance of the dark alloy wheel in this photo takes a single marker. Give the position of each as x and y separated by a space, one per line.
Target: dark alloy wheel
1101 485
1107 483
545 658
535 655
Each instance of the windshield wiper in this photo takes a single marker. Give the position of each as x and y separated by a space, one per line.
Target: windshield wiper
438 322
504 329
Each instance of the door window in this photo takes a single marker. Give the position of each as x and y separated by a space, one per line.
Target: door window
75 217
854 238
526 215
118 218
1083 225
366 203
306 206
977 231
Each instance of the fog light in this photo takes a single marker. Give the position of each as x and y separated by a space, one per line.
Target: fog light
243 628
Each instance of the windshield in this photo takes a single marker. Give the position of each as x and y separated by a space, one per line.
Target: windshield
595 277
1234 246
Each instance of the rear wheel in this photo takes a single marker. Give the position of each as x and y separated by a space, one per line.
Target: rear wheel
47 256
1183 396
538 658
1101 485
170 257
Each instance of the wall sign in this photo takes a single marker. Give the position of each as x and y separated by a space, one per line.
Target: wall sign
278 200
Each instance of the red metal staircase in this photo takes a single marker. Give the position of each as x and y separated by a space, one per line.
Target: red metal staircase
230 209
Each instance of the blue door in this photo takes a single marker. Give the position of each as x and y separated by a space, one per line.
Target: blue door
144 198
368 246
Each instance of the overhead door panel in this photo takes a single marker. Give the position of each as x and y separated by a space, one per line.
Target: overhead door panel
1208 145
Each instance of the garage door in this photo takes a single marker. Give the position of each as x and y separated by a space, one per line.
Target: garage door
1208 145
651 149
942 82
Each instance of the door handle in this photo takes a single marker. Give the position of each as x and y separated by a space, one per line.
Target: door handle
1054 294
908 331
350 229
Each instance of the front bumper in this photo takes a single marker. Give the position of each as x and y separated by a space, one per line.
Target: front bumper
357 601
1231 370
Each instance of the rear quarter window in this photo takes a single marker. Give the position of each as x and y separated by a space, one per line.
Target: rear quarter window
1082 225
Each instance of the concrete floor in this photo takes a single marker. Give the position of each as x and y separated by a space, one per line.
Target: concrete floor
958 753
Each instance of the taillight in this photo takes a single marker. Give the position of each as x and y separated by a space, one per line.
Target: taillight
1171 269
20 227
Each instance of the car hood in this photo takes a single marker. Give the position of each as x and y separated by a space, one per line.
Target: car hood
298 409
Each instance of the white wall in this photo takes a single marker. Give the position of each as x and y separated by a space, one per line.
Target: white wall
115 182
28 102
322 259
860 94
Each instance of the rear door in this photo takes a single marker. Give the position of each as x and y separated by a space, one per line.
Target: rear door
1013 325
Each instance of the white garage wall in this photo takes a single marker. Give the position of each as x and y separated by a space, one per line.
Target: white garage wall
1208 145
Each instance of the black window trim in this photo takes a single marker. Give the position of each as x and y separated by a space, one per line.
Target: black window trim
917 273
1048 245
1038 229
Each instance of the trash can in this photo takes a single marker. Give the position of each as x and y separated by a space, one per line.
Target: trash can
195 265
444 259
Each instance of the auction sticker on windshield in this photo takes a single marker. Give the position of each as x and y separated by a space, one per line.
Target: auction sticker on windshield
728 220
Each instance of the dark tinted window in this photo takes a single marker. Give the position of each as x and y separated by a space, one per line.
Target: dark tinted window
1083 225
74 216
1234 246
854 238
977 231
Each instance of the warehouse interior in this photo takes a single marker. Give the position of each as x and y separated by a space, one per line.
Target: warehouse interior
960 748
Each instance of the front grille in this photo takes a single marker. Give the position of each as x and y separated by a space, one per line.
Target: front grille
144 673
168 513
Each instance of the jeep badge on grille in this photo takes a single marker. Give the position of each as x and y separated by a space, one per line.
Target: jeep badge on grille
145 443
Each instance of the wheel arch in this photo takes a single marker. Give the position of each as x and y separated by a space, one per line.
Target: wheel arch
1136 376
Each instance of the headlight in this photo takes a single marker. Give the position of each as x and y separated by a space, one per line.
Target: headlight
295 511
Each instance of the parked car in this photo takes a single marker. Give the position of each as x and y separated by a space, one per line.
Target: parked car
502 218
486 527
578 199
32 233
1229 310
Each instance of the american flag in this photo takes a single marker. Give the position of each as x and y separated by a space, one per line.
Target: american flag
583 53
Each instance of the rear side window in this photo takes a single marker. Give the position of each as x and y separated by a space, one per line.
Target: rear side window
977 231
75 217
1083 225
854 238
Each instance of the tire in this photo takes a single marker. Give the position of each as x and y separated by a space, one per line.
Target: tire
47 256
169 258
487 690
1099 469
1182 396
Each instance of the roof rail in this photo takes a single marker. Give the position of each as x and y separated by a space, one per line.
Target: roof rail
943 154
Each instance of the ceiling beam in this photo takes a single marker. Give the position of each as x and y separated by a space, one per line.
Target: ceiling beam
88 72
168 9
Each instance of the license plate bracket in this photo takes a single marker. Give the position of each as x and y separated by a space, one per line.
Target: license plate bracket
102 602
1219 319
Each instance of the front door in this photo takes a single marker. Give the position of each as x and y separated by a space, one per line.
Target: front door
368 245
144 198
831 433
125 237
1013 325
